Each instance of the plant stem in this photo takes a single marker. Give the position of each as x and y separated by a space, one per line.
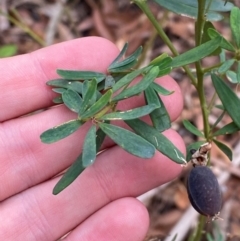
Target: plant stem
199 25
24 27
200 74
144 7
200 227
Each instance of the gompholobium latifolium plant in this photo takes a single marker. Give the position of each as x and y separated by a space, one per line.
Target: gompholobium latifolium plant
94 97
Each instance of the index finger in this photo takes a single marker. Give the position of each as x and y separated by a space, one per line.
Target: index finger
23 78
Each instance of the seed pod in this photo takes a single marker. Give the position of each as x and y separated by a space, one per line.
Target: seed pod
204 191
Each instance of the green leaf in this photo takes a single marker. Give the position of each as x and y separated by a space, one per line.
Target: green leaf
206 37
196 53
89 147
190 8
161 90
231 76
234 23
81 75
76 168
58 90
193 146
227 129
8 50
138 88
67 84
226 66
121 54
97 106
130 114
160 117
225 149
161 143
158 59
91 91
224 44
193 129
229 99
72 100
129 141
61 131
129 62
127 79
69 176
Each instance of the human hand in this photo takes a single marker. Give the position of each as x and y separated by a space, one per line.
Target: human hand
100 204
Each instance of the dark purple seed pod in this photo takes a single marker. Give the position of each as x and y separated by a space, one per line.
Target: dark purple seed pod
204 192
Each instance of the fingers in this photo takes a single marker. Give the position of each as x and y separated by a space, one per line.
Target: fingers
23 78
24 154
115 174
125 219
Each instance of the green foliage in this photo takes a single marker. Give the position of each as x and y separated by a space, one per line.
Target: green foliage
61 131
225 149
197 53
191 128
229 99
129 141
190 8
94 96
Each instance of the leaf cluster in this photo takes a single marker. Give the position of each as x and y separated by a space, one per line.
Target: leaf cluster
94 98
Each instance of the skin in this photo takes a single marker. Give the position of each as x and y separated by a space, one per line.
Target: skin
100 204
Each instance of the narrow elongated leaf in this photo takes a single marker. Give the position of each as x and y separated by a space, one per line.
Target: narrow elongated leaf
67 84
58 90
77 167
160 142
123 68
193 129
196 53
127 79
61 131
121 54
91 91
160 117
231 76
225 149
226 66
229 99
193 146
190 8
227 129
141 86
161 90
70 175
158 59
97 106
234 23
206 37
72 100
130 114
132 58
129 141
213 33
81 75
89 147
